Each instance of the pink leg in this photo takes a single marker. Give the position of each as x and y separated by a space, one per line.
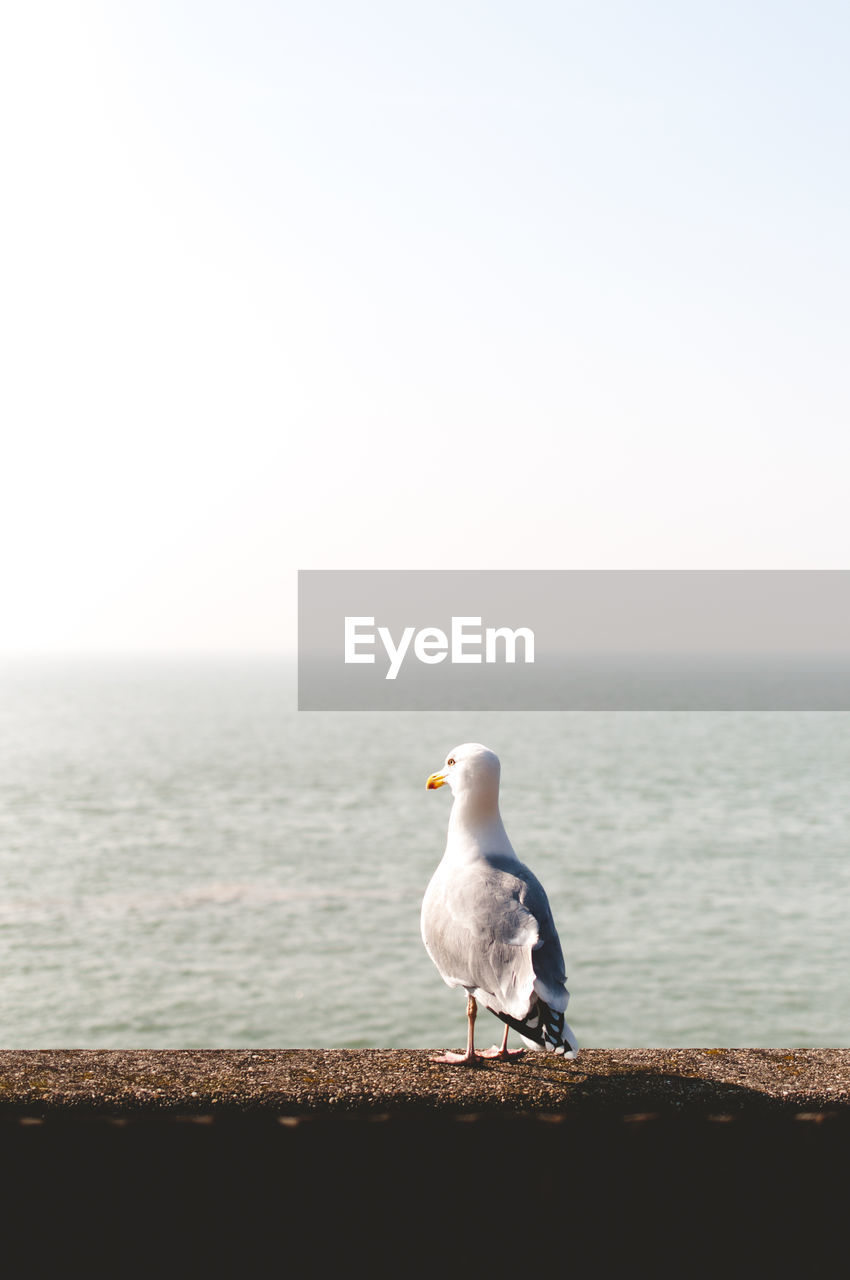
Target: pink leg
468 1058
504 1052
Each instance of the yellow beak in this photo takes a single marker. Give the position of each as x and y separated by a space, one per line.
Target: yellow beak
436 780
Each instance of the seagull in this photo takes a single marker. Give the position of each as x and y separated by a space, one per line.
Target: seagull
486 920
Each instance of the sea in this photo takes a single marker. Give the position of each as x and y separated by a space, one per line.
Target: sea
186 861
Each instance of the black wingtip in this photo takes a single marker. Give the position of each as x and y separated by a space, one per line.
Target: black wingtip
545 1029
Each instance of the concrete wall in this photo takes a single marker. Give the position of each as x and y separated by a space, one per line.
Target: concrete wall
422 1185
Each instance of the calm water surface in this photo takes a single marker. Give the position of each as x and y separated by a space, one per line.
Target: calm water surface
186 861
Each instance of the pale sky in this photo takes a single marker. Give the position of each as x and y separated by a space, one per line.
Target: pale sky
411 285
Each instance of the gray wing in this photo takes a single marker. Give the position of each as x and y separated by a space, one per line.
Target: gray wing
488 927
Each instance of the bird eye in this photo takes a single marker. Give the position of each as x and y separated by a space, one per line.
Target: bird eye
450 760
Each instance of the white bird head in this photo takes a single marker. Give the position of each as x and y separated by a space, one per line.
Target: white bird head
469 768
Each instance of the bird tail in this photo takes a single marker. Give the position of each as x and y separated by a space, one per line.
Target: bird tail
544 1028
